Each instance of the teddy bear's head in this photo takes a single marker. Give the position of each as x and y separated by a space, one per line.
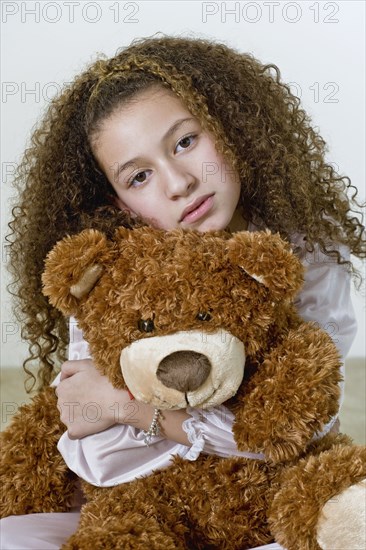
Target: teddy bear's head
173 315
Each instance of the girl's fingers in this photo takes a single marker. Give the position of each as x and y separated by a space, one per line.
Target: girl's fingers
69 368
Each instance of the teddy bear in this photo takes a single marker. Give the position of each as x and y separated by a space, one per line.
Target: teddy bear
183 319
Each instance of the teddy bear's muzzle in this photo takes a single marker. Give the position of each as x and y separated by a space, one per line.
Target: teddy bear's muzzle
190 368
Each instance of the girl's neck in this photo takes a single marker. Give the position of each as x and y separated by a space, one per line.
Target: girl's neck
238 222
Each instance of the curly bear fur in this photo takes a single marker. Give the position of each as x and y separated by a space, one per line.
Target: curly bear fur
242 286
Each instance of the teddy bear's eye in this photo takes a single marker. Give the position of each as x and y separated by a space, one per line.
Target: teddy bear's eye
203 316
146 325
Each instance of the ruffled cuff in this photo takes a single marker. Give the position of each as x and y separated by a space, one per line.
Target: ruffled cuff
210 431
192 427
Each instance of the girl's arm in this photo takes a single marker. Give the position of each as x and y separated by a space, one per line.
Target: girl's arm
88 404
326 299
326 296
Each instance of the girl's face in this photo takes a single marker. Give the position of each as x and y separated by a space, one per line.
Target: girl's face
164 167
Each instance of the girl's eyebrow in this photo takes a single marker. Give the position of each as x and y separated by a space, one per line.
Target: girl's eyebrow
167 134
176 126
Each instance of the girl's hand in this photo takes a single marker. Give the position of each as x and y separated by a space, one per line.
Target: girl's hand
88 404
87 401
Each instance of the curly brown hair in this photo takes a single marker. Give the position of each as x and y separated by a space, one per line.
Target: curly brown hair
257 123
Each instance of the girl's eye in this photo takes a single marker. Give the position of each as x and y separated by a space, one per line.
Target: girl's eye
138 179
185 142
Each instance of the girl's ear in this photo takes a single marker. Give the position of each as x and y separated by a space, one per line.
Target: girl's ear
269 260
73 267
122 206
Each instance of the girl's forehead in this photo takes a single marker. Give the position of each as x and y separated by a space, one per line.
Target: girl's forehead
158 109
142 125
153 97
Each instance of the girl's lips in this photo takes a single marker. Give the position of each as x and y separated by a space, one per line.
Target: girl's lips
202 209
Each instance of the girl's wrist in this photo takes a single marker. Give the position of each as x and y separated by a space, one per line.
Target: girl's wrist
141 416
132 412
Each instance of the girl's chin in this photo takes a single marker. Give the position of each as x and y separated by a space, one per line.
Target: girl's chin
213 224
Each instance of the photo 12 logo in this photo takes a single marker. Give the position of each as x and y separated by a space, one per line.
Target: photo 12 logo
318 92
71 12
11 332
270 12
35 92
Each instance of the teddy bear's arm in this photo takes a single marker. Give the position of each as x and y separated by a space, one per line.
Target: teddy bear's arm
293 394
33 475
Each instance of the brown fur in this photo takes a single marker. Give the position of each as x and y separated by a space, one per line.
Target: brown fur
290 390
34 477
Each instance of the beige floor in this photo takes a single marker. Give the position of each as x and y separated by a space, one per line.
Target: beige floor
353 413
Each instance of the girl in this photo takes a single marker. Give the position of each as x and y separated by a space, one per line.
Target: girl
170 132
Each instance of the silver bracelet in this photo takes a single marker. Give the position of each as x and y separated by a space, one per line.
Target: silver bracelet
154 427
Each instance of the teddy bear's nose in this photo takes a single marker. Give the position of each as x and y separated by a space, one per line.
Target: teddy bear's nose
184 370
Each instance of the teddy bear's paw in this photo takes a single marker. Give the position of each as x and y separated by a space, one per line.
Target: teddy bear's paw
122 534
343 519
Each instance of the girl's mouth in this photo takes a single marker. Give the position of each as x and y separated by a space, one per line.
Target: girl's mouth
197 209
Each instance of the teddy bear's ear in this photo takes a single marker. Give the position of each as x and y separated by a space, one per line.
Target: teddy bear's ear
73 267
269 260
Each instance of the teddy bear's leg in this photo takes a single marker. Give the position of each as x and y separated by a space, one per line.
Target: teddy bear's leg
207 503
226 501
138 514
132 530
323 488
343 520
33 475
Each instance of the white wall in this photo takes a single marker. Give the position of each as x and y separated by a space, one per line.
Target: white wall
319 47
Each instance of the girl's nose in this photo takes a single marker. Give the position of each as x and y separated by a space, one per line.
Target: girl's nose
178 182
